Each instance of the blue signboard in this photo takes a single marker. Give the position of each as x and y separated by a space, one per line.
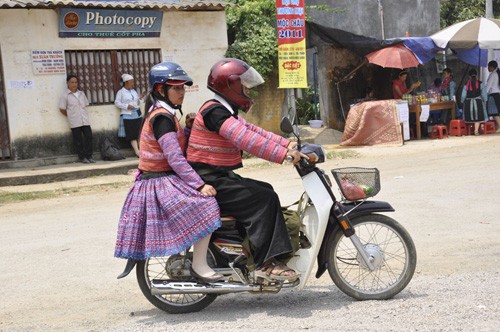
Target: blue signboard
109 23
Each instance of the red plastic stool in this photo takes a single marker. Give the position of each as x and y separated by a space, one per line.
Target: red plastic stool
487 127
439 132
470 128
457 128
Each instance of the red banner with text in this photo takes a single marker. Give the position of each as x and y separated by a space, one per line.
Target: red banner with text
291 22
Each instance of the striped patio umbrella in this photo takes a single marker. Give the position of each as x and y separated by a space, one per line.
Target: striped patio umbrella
482 32
395 56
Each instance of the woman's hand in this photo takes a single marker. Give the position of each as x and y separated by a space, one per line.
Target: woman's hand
130 107
190 119
296 155
292 145
207 190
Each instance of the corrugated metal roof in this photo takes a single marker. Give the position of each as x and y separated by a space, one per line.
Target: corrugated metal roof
144 4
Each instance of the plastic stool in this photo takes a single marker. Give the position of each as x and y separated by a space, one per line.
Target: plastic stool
487 127
470 128
457 128
439 132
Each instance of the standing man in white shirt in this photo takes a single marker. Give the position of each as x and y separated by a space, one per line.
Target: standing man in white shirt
73 105
493 89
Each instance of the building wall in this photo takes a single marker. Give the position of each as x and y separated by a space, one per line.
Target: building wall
267 109
417 17
195 39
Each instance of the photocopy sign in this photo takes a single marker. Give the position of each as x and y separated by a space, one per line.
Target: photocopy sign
291 19
106 23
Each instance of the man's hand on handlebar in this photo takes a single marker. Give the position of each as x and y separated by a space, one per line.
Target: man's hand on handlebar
296 155
292 145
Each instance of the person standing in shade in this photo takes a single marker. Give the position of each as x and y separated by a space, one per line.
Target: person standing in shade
72 104
474 101
447 88
493 90
128 102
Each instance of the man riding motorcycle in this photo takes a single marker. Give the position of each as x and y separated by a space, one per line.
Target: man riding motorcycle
217 139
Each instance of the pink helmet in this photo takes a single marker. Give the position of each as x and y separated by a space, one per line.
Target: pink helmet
227 79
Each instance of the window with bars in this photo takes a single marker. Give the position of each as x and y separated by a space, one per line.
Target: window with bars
99 71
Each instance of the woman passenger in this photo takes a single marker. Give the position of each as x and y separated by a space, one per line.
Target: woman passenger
169 207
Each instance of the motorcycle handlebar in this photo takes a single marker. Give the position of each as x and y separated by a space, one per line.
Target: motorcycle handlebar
313 157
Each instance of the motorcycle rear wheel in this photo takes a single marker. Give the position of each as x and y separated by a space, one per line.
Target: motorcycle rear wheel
158 268
394 253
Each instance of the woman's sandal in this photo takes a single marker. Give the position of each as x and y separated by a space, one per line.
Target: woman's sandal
281 272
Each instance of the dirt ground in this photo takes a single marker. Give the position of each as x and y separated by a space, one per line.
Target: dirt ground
58 270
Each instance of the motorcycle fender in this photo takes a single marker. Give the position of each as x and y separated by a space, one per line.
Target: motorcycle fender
367 207
128 268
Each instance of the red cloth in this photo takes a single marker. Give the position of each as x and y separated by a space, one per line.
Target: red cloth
445 83
152 158
402 88
209 147
373 123
224 148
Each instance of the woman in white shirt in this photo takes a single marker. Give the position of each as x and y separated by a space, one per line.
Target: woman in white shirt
493 89
128 101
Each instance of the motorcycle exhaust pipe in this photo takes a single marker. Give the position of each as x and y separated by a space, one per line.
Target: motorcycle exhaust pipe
160 287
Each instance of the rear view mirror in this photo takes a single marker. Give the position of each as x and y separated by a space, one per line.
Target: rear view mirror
286 126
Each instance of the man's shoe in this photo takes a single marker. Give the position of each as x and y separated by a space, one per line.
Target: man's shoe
85 161
91 160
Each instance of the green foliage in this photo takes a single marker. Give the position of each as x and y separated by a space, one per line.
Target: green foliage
252 35
455 11
305 106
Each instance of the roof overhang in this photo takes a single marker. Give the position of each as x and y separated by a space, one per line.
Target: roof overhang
183 5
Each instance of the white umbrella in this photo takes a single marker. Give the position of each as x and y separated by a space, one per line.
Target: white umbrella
482 32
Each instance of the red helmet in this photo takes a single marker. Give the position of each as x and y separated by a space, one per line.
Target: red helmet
227 79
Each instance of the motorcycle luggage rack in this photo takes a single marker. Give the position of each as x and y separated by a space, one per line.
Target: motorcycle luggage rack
357 183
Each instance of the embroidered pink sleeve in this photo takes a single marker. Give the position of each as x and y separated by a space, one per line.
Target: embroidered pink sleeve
173 153
267 134
252 142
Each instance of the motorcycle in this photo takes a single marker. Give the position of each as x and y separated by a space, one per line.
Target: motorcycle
368 255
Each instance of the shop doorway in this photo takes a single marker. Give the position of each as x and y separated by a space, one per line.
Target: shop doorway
5 147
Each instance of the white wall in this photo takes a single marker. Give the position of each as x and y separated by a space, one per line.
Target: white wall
195 39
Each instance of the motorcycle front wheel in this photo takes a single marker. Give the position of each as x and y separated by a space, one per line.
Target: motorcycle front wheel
172 268
392 252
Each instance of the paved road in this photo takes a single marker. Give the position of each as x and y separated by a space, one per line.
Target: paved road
58 270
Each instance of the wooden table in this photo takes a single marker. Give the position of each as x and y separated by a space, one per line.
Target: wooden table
417 109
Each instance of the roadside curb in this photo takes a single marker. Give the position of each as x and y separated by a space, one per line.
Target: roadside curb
56 173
